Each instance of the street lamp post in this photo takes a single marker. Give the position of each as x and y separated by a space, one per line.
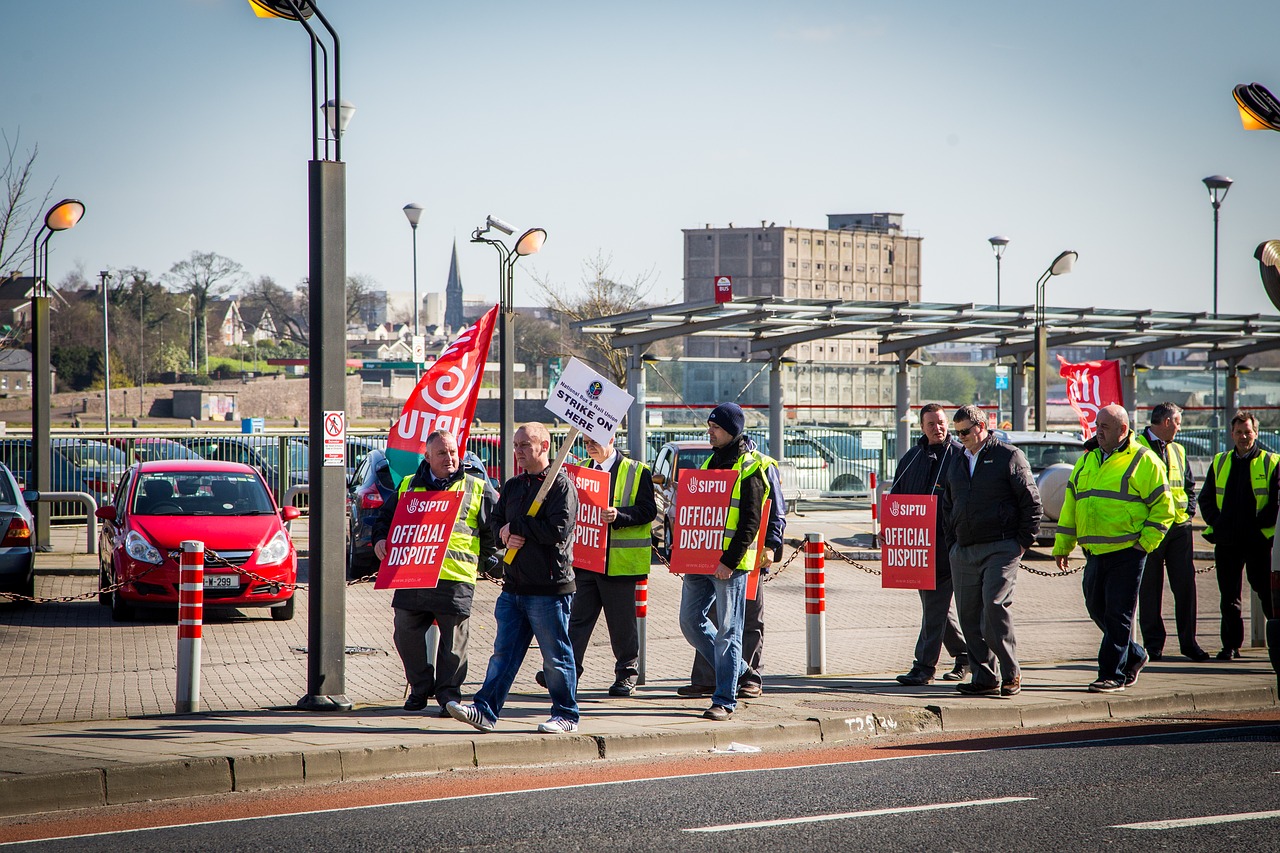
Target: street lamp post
61 217
327 227
998 244
1217 185
105 276
1063 264
530 243
413 212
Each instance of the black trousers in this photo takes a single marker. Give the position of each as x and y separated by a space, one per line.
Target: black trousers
1173 558
442 677
752 645
616 596
1254 561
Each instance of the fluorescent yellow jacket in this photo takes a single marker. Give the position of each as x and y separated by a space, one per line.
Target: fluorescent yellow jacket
462 557
1116 504
1175 466
1261 468
629 547
747 464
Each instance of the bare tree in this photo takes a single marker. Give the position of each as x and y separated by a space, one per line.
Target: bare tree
290 310
597 294
203 276
22 207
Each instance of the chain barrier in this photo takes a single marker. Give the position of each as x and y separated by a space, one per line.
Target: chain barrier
84 596
830 549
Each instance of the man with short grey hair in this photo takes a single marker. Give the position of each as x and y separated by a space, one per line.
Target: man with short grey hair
991 514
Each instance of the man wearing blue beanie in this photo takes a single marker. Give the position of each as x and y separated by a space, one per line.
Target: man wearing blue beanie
727 588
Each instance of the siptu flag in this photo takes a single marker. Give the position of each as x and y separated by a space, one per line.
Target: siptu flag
444 398
1090 386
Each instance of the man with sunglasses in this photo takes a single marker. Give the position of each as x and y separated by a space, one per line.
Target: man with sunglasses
991 513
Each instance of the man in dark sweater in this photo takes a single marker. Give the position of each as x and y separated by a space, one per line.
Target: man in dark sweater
921 471
727 588
991 514
537 591
1238 504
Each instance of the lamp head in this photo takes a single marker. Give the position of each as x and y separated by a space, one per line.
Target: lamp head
413 212
337 114
998 243
1268 255
282 9
530 242
64 215
1064 263
1259 109
1217 185
495 222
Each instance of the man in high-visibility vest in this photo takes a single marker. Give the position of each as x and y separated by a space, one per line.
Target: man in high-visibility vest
471 549
1118 508
1173 556
1238 504
630 514
727 588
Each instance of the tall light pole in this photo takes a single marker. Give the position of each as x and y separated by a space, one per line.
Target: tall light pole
326 284
1063 264
63 216
1217 185
529 243
998 244
105 276
413 212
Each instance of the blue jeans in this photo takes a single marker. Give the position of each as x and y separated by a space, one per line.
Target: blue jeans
520 619
722 646
1111 584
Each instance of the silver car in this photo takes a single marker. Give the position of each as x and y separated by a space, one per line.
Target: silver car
17 551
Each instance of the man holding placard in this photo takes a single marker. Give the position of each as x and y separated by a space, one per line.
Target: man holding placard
538 587
447 604
727 587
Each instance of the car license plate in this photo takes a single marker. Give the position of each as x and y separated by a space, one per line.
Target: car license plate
221 581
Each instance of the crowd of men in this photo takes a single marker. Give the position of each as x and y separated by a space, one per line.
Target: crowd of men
1128 506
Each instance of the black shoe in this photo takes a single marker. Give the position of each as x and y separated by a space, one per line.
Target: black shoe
1197 654
695 690
444 713
1106 685
415 702
1156 654
971 689
1131 674
541 678
960 670
623 687
717 713
1228 654
917 677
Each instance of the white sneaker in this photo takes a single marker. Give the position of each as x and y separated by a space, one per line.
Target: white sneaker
470 715
557 725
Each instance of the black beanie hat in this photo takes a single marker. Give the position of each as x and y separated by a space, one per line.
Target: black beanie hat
729 417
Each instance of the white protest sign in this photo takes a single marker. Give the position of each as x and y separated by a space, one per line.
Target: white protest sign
588 402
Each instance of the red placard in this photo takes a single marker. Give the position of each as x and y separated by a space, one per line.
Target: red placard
702 506
418 539
907 547
591 533
753 579
724 288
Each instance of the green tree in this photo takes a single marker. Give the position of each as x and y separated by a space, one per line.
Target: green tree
947 383
203 276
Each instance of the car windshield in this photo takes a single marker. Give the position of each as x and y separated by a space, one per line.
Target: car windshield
200 493
7 495
693 457
1041 456
93 454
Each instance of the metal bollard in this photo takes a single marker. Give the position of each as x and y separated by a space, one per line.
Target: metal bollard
875 512
642 621
815 604
190 621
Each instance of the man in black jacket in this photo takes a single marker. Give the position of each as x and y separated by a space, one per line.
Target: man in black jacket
991 514
537 592
922 471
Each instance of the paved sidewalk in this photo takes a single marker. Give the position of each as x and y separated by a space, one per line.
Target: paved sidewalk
86 705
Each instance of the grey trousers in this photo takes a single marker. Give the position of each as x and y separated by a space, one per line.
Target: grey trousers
984 577
938 626
616 596
443 677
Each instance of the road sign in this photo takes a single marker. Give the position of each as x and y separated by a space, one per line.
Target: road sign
419 349
335 439
724 288
1002 377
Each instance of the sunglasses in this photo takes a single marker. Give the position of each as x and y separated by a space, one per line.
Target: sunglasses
964 433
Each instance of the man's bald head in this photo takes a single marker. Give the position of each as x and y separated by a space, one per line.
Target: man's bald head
1112 424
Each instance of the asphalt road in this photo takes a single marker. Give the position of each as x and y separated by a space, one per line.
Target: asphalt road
1206 790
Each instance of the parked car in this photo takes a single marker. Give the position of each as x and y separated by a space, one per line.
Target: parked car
261 453
76 465
810 468
225 505
369 487
148 449
852 465
358 447
672 458
17 550
1051 456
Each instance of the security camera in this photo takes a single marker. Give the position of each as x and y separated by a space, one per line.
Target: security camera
494 222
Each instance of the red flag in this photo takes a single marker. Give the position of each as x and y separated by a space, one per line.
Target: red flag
445 397
1090 386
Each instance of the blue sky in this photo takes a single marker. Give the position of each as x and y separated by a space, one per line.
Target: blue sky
183 125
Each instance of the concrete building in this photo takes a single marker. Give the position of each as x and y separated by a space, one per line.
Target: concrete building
858 257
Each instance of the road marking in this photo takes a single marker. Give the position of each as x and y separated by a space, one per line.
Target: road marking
731 827
1183 823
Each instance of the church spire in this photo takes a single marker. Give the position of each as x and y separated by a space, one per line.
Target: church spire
453 317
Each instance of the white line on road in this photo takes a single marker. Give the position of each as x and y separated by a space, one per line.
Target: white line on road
731 827
1183 823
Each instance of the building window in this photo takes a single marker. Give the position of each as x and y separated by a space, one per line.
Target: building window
804 242
847 267
891 256
791 265
817 266
767 246
791 239
804 265
846 244
821 243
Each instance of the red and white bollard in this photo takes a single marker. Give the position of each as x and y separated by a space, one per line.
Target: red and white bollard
642 620
815 604
190 622
875 512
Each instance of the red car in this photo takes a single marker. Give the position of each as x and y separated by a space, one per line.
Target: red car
225 505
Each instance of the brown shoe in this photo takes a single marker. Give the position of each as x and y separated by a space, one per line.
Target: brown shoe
1011 687
970 689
